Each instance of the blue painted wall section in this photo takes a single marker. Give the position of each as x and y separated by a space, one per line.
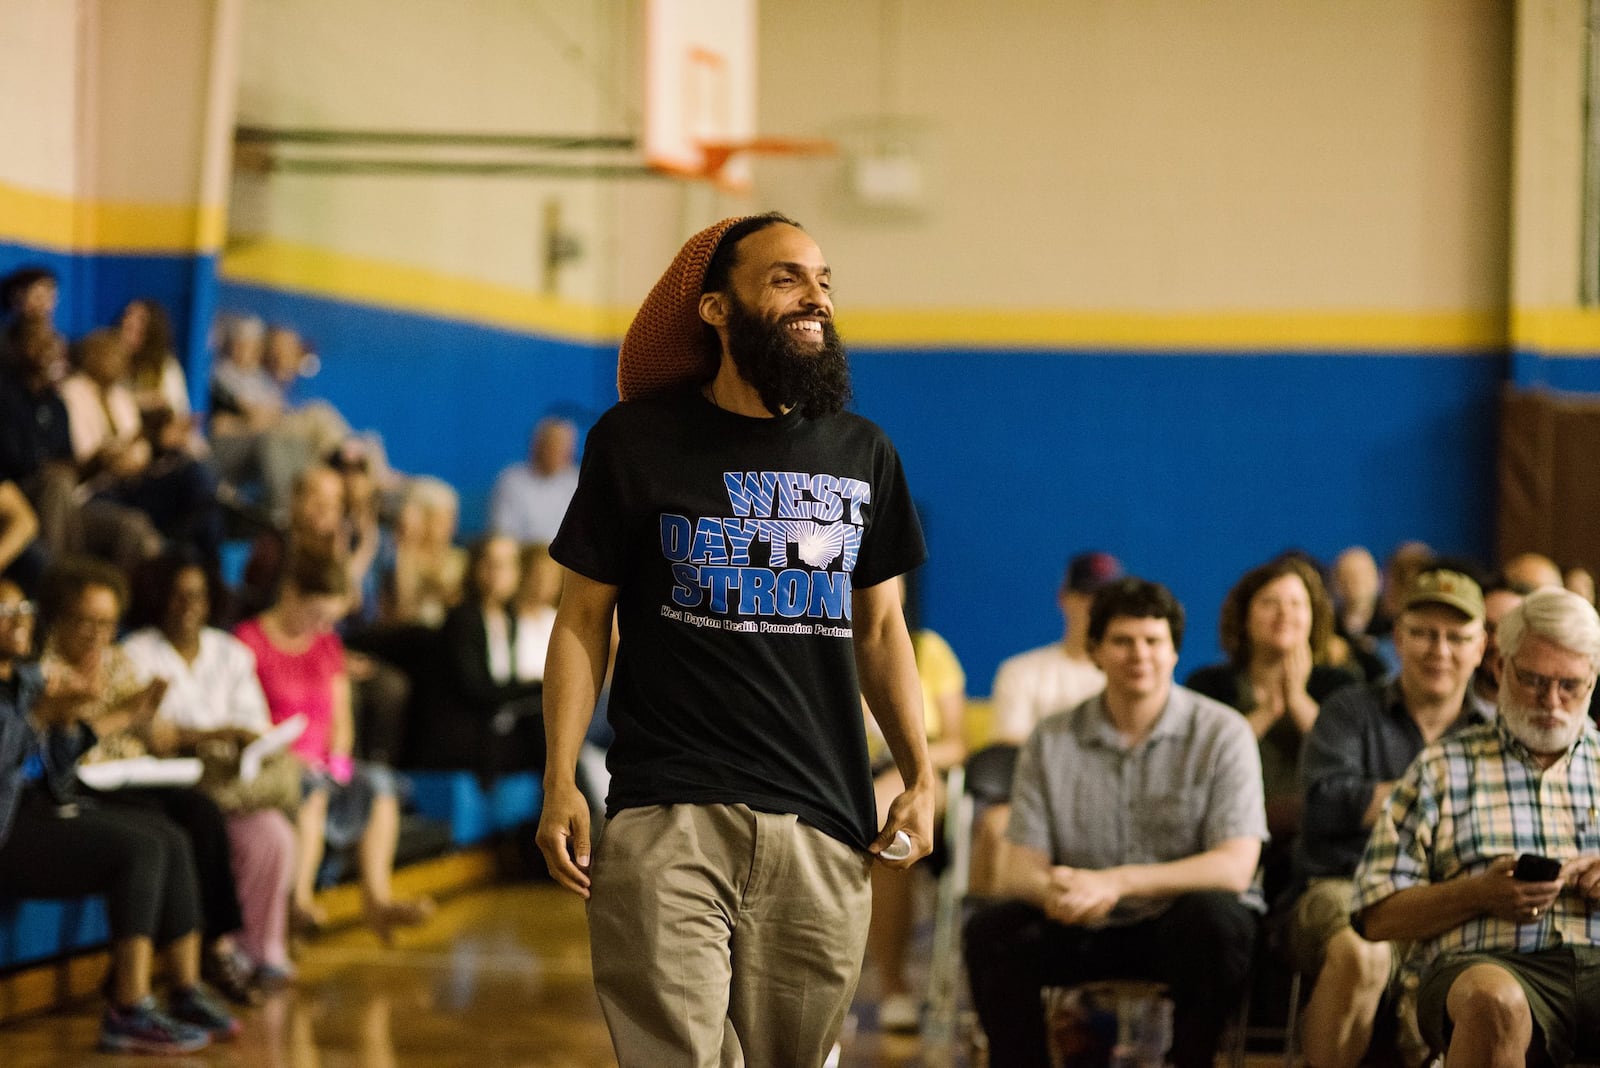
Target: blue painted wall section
1191 468
95 288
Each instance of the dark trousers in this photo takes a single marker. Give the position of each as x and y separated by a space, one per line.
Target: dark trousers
140 861
1200 947
199 819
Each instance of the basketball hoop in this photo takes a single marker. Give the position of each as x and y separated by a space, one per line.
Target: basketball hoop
716 154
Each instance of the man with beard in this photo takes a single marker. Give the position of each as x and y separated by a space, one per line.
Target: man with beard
1361 743
743 528
1487 855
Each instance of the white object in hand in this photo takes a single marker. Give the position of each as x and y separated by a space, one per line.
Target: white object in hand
899 849
275 740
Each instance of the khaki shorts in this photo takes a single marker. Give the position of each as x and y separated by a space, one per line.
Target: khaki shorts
1562 986
1322 911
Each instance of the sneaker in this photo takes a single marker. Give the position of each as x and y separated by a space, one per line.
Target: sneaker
142 1028
229 973
272 978
197 1007
899 1013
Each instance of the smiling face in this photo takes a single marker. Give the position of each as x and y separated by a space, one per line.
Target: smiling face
187 606
1138 656
16 623
1280 615
1438 647
776 322
89 625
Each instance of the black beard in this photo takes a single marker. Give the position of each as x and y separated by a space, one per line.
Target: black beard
786 372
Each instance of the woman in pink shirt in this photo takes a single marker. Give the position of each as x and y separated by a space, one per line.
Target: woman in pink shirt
300 662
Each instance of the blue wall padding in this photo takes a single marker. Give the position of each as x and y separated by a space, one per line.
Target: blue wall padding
473 812
1189 467
38 930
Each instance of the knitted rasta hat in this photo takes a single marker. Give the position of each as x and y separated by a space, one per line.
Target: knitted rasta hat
665 344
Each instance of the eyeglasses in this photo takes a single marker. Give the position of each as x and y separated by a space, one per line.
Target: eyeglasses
1536 683
18 610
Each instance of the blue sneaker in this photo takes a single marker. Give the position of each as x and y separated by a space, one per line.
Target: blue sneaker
142 1028
196 1007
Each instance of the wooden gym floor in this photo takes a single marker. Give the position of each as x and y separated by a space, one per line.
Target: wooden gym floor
499 979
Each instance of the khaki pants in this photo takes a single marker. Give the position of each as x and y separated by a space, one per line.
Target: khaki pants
724 937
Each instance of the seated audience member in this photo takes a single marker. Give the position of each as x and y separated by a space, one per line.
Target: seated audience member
426 576
1136 826
1052 678
1276 625
160 388
155 377
257 438
529 499
22 554
538 597
1032 685
485 714
1531 571
117 463
1361 743
300 663
28 297
1354 585
320 522
83 607
36 453
215 707
1513 952
1580 581
944 703
1498 599
52 845
1405 562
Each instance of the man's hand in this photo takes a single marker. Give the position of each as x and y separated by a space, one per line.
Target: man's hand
1511 899
564 837
1081 896
912 812
1582 875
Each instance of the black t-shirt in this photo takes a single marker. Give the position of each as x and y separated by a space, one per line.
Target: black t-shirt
735 543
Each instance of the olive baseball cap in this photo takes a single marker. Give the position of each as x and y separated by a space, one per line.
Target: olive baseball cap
1449 588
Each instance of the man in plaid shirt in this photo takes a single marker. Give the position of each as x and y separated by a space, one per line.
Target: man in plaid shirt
1513 957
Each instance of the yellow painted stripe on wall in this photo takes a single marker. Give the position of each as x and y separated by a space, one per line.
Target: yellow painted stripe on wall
1557 331
319 272
47 220
1287 331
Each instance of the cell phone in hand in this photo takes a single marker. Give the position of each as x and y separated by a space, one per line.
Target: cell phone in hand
1532 868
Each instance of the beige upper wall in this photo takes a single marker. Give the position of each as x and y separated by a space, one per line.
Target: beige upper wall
489 66
39 45
1164 155
1548 175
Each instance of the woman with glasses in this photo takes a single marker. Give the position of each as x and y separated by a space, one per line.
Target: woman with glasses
54 843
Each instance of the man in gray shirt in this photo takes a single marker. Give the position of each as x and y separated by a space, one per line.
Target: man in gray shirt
1137 823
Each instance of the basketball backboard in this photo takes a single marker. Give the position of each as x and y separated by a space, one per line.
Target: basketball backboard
700 88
